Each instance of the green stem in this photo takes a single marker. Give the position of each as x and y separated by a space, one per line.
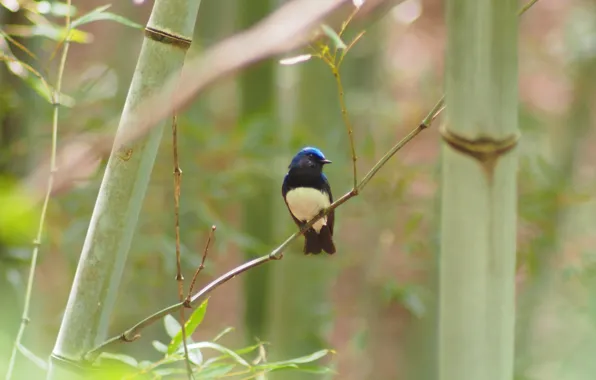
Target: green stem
50 185
426 122
133 333
347 122
123 187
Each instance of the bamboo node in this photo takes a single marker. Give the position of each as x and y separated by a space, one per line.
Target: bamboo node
483 148
167 38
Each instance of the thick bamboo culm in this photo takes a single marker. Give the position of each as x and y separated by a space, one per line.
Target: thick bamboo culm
167 38
478 204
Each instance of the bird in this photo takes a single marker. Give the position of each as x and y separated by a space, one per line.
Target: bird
306 191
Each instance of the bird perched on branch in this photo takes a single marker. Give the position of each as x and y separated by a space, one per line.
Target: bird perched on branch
306 192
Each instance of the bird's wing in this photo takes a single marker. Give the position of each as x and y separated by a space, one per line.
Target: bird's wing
284 190
331 216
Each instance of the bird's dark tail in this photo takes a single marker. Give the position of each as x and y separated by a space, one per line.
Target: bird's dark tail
315 242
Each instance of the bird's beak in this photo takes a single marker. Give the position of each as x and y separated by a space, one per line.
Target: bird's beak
325 161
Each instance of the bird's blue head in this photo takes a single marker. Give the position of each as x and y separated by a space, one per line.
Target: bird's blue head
309 157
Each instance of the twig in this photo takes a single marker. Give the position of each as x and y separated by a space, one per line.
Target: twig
288 28
347 122
527 6
334 64
201 267
344 26
179 277
349 47
133 333
46 201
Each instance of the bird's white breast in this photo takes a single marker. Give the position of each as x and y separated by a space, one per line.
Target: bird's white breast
305 203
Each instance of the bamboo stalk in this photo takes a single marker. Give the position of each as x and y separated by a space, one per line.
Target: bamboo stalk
46 201
121 194
478 212
258 92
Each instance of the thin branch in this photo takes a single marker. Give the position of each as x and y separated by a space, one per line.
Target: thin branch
202 266
46 201
133 333
527 6
349 47
344 26
288 28
179 277
347 122
426 122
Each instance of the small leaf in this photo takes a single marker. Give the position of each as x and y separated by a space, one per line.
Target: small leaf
162 372
414 303
121 358
215 372
33 358
99 14
224 332
195 356
333 36
249 349
221 349
296 59
190 326
302 368
304 359
172 326
159 346
146 364
50 31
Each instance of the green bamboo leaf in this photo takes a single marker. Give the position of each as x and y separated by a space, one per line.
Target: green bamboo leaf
53 32
333 36
41 363
190 326
215 372
172 326
322 370
413 302
159 346
224 332
294 362
241 351
196 356
100 14
129 360
163 372
221 349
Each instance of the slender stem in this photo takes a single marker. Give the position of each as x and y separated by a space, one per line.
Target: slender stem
349 47
527 6
343 28
46 201
134 332
202 266
423 125
179 277
347 122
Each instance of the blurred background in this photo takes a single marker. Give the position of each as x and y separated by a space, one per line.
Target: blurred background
374 301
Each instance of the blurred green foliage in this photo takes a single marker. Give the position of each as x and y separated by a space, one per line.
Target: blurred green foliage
244 362
379 300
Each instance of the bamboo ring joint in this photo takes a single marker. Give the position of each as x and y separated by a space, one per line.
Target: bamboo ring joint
167 38
483 148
